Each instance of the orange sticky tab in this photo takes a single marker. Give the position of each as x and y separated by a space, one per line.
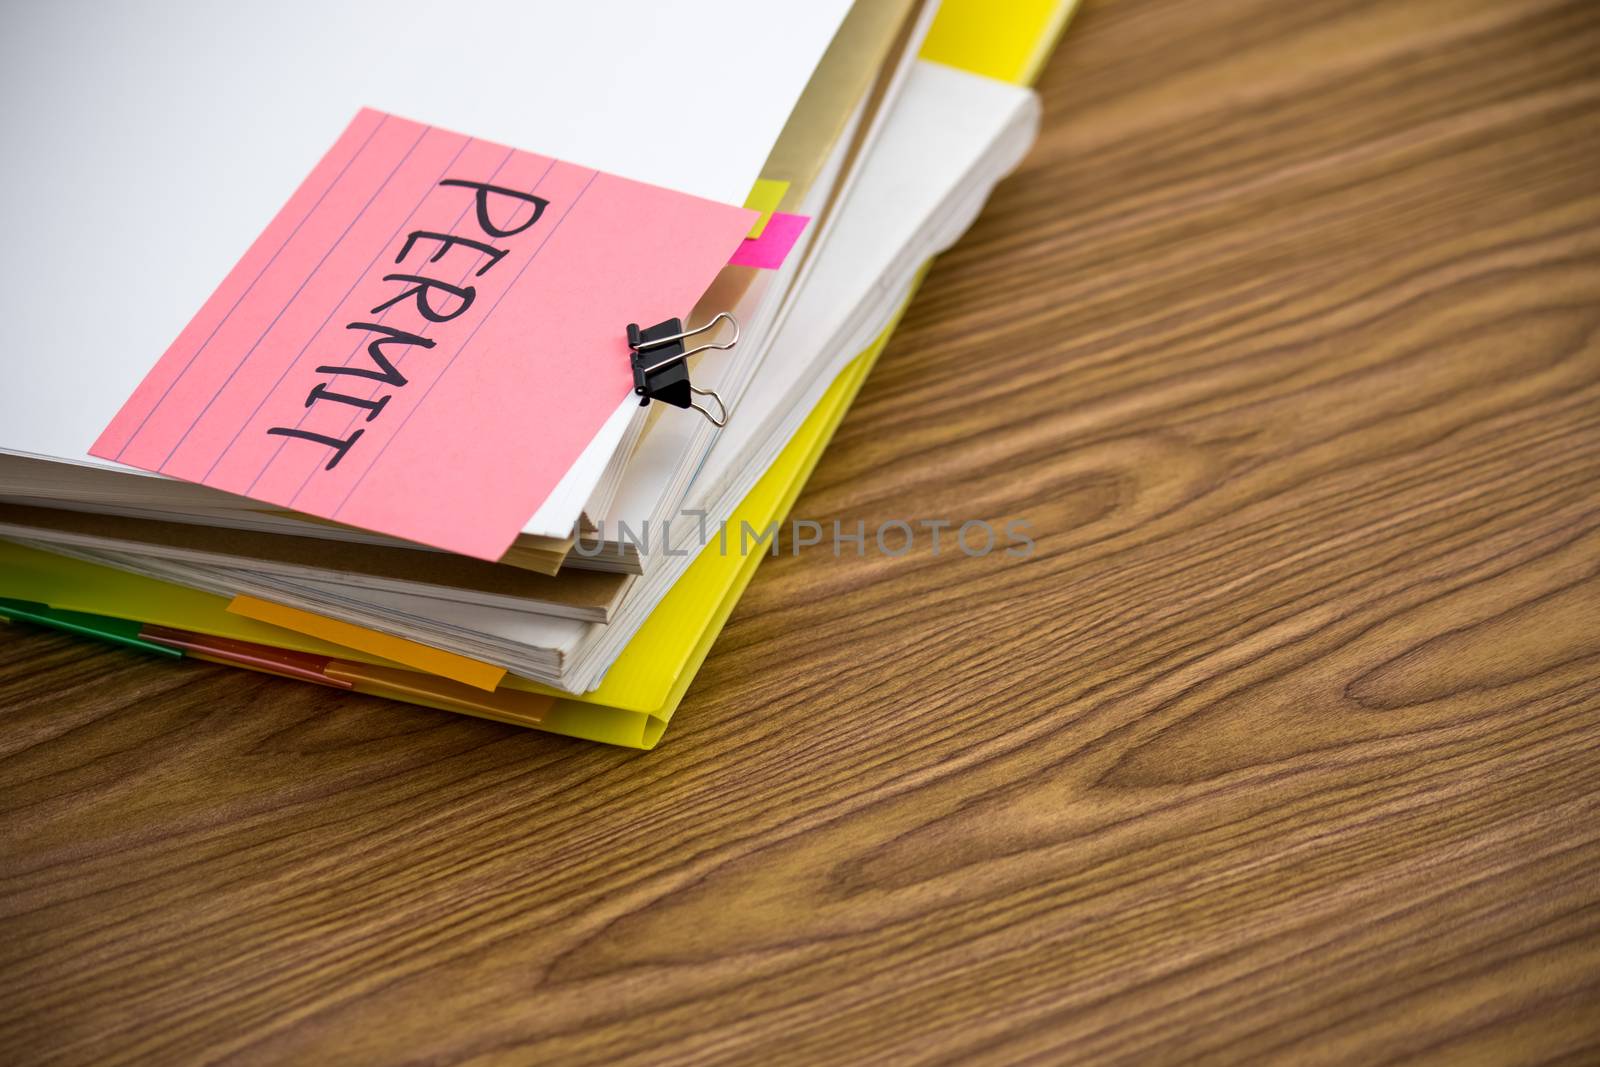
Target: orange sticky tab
412 654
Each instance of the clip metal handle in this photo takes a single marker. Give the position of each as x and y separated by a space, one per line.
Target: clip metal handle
685 335
720 420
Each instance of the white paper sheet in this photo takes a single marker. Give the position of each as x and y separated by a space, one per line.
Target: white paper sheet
148 142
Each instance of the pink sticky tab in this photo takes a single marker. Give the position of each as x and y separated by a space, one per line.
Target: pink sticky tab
770 249
425 338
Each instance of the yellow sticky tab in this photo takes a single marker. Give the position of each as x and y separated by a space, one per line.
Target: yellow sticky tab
396 649
765 198
1008 42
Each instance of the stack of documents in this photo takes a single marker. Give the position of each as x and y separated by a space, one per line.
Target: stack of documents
429 355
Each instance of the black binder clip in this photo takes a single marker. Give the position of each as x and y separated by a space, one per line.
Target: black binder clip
660 368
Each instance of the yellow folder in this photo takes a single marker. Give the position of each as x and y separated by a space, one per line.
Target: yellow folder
642 688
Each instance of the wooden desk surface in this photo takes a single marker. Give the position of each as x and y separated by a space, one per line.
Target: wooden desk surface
1285 745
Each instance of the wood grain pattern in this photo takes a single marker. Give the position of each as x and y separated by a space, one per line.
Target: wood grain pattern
1283 747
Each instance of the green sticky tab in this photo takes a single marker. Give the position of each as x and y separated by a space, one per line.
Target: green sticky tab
123 632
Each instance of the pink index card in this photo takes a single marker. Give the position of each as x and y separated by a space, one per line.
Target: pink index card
425 337
770 249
